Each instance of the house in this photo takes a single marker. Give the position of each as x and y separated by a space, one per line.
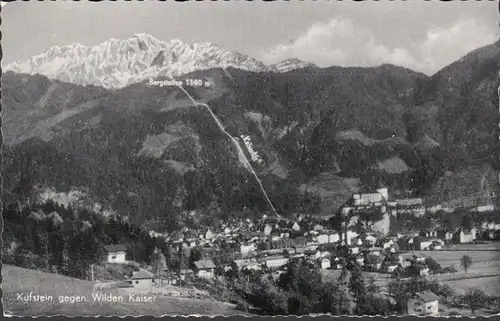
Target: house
141 279
424 271
349 236
370 239
463 236
243 263
186 273
354 249
485 208
412 206
336 263
324 263
300 250
373 262
332 238
295 226
208 235
167 278
267 229
380 195
409 202
422 243
322 238
318 227
423 303
391 268
276 238
204 269
387 244
115 253
247 249
275 262
428 234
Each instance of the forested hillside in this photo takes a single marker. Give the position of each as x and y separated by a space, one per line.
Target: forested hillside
149 154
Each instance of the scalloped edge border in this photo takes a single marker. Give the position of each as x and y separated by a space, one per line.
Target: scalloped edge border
233 316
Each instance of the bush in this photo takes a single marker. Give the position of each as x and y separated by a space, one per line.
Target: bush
242 306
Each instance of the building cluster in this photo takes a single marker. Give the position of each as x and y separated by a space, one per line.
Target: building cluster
379 200
270 243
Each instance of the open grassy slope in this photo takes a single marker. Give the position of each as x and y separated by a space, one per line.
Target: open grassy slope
19 280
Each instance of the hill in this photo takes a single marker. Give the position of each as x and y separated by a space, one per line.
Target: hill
149 153
20 280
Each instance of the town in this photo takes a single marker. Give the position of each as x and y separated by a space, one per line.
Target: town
358 238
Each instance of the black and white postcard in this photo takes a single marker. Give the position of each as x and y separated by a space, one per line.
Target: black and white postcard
251 158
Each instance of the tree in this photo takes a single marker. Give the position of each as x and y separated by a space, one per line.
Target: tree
373 304
357 285
343 276
372 285
303 283
159 262
475 299
195 255
263 294
467 221
465 262
333 299
64 261
23 257
433 266
446 292
396 288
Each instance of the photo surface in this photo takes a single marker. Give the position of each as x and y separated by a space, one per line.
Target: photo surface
250 158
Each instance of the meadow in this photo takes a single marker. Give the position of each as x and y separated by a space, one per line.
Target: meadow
20 280
483 274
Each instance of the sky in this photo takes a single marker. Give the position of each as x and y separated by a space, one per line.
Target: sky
422 35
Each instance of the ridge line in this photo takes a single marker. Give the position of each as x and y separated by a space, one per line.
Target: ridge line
240 150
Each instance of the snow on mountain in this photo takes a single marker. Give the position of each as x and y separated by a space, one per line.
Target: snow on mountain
117 63
289 65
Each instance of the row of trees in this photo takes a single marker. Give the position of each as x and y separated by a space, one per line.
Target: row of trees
301 290
447 221
58 239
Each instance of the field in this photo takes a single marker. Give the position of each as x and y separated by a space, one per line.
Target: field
19 280
486 263
484 273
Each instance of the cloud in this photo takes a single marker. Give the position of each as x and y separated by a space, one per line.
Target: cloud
342 42
444 45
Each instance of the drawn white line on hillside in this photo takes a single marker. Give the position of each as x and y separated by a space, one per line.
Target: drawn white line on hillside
240 150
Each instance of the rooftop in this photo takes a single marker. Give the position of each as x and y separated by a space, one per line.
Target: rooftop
141 275
204 264
427 296
116 248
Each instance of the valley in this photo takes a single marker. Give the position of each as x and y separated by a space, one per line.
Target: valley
192 167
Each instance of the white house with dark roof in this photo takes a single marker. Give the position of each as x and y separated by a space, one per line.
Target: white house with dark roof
423 303
464 236
141 279
324 263
275 262
115 253
205 269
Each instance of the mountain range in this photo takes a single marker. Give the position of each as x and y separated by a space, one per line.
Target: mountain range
84 121
117 63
